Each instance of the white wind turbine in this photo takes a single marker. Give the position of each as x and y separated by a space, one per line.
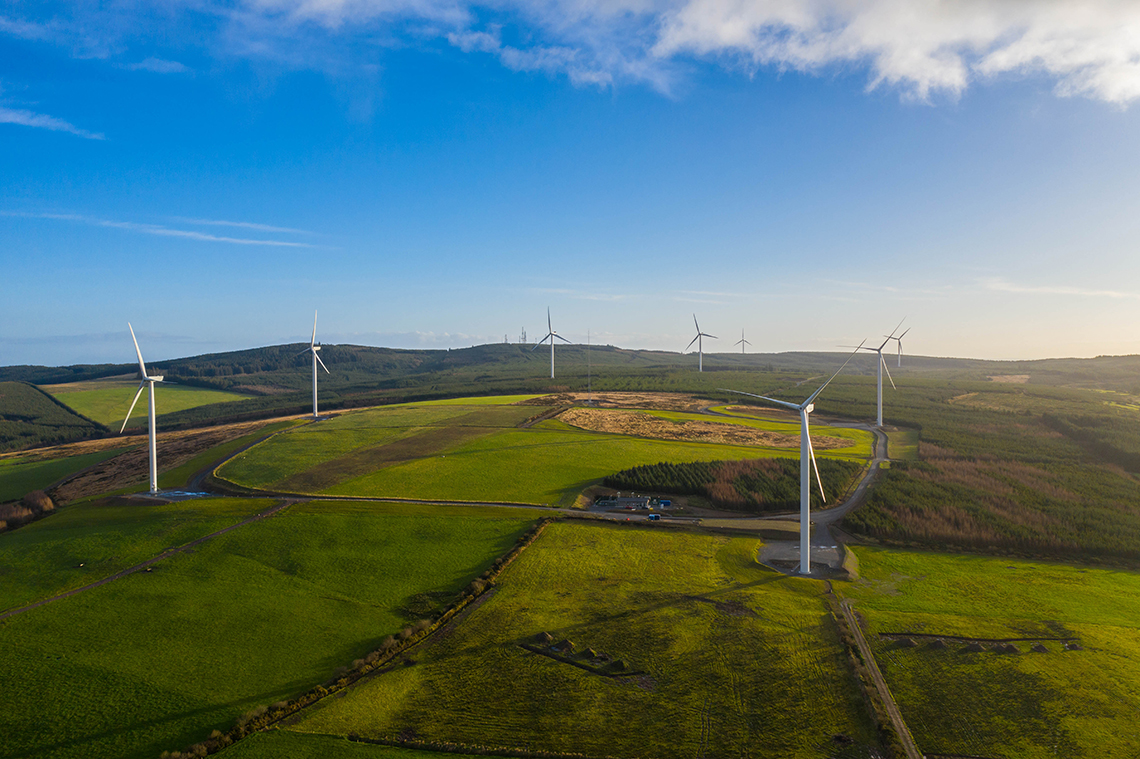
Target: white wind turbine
883 367
550 335
148 382
313 348
741 342
700 345
807 453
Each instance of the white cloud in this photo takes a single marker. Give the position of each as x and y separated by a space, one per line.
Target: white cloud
158 66
43 121
242 225
1000 285
161 231
922 48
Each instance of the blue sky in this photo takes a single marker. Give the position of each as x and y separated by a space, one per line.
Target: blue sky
433 174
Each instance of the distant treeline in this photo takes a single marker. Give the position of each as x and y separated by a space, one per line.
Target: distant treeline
30 418
759 485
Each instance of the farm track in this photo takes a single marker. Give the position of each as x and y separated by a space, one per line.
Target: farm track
149 562
885 694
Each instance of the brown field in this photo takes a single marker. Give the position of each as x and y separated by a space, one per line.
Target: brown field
626 422
174 449
1010 379
655 401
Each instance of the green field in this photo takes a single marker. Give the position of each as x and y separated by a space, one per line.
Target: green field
455 452
43 558
107 401
280 744
157 660
987 703
21 475
726 658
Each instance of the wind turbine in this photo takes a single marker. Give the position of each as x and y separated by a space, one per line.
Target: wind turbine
313 348
883 366
550 335
741 342
700 345
148 382
806 453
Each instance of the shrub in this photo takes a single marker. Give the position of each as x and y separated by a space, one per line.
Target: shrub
38 501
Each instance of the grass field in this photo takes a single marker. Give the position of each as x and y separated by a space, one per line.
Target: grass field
1061 703
902 444
455 452
43 558
280 744
19 477
735 660
157 660
107 401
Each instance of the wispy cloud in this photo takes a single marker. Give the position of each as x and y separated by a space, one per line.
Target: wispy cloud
241 225
43 121
922 48
156 229
1000 285
158 66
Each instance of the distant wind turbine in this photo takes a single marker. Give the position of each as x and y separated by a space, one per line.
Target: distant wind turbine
148 382
883 366
700 345
807 453
741 342
550 335
313 348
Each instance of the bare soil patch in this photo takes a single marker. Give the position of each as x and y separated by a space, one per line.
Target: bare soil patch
1010 379
628 422
659 401
174 450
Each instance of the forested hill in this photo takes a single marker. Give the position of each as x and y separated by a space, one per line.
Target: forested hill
285 368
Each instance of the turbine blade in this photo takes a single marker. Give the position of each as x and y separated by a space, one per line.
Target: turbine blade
888 371
142 366
815 466
837 371
695 323
560 337
549 328
322 363
896 329
706 334
690 345
762 397
313 341
132 408
307 350
543 340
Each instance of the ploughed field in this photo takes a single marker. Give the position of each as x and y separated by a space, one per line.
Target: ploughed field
998 657
504 451
683 645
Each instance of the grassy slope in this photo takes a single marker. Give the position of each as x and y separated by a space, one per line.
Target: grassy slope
279 744
1062 703
721 680
180 476
42 559
19 477
107 401
155 661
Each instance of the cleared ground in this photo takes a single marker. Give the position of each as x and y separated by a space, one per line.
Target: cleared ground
958 700
107 401
726 658
157 660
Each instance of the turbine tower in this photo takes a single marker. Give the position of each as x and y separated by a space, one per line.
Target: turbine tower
883 367
741 342
550 335
807 453
700 345
313 348
148 382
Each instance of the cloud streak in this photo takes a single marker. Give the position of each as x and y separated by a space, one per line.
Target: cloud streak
158 229
43 121
1000 285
